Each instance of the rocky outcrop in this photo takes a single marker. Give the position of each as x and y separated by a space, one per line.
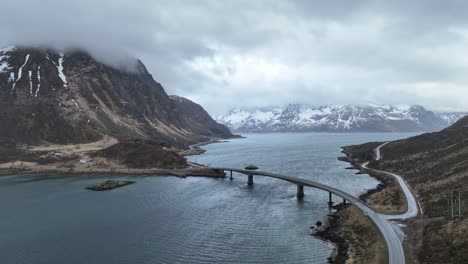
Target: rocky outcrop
108 185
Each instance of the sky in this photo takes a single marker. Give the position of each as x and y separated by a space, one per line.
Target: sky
244 53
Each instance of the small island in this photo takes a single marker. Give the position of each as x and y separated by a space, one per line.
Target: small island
108 185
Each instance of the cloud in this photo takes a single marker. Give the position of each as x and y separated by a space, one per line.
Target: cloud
224 54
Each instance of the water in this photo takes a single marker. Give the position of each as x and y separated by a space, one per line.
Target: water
193 220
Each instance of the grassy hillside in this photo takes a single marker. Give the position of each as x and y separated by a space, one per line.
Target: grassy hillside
434 165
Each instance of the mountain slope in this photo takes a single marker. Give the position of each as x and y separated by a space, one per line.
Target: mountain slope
348 118
46 96
434 165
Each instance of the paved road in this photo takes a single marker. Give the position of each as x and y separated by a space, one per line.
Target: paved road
413 208
391 235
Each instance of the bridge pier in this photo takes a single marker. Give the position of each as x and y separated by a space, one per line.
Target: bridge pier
250 180
230 177
344 201
300 191
330 200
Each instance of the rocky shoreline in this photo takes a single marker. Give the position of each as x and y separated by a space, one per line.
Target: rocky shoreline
331 232
355 165
108 156
338 229
341 225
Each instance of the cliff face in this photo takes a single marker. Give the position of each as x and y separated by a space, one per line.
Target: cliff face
46 96
193 117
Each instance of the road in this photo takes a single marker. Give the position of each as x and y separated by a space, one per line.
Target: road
388 230
391 232
413 208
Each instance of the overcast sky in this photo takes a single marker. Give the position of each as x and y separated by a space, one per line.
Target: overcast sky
229 53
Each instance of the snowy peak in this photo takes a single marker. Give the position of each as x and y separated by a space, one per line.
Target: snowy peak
338 118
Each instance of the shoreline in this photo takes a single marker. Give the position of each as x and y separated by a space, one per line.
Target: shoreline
330 231
335 225
21 167
196 149
180 173
399 204
383 182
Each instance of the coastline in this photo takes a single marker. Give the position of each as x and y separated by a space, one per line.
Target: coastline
334 229
355 237
349 234
387 197
196 149
331 232
345 228
181 173
76 160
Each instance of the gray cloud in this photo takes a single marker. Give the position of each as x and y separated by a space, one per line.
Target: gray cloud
224 54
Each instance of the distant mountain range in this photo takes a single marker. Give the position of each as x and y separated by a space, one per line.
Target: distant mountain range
332 118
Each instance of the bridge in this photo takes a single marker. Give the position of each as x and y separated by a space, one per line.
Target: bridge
386 228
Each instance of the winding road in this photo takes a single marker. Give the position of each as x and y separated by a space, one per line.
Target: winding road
391 232
413 208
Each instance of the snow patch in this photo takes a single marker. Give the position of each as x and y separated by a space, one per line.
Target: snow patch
38 80
20 73
3 57
237 115
451 118
30 84
60 70
3 65
7 49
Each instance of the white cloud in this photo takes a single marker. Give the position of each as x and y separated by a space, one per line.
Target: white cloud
258 53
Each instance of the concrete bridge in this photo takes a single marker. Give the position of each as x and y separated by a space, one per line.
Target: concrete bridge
388 230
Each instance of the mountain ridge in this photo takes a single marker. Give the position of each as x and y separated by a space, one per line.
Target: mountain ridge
337 118
69 97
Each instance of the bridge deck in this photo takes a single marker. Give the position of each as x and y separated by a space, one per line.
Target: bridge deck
394 246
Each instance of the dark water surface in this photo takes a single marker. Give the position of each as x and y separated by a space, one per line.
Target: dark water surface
194 220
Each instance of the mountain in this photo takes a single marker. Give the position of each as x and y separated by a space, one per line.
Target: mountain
347 118
48 96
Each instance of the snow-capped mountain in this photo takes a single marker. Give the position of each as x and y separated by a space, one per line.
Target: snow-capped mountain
347 118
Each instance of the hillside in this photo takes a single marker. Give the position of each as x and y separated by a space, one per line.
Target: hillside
347 118
434 165
47 96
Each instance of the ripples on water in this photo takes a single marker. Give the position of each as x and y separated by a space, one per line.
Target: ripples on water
193 220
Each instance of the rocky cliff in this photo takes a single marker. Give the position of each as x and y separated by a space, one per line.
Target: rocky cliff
48 96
